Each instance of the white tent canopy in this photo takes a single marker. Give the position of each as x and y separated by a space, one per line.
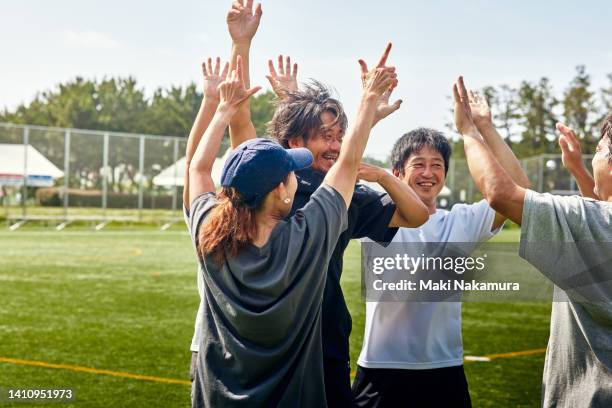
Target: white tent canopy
40 171
174 175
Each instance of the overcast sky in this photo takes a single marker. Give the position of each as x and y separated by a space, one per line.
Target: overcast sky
162 43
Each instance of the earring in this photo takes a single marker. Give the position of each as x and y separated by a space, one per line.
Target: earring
287 200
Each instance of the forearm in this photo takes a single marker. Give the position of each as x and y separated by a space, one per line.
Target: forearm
409 206
199 171
207 150
502 152
242 49
241 127
201 123
585 182
342 175
496 185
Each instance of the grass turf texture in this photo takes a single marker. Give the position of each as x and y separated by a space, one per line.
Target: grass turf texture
126 300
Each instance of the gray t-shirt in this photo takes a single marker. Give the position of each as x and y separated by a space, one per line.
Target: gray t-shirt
569 239
261 328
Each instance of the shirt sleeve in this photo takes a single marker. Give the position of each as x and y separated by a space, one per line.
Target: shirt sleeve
569 240
186 216
200 208
476 220
318 225
374 213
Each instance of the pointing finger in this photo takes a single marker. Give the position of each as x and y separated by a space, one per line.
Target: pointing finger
383 59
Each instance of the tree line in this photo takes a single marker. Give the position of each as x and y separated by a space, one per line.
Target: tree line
525 114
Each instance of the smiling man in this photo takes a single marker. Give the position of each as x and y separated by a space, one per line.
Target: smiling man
412 353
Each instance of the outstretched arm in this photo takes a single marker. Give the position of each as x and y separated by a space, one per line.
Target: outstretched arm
233 93
242 23
481 113
285 80
212 79
343 173
499 189
571 154
410 211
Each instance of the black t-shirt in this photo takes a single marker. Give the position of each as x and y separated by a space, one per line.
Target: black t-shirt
369 215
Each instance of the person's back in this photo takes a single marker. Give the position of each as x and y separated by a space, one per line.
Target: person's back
578 367
262 314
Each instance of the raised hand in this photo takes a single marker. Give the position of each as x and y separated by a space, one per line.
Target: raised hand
383 108
463 112
233 91
213 78
571 153
242 21
381 78
481 112
285 80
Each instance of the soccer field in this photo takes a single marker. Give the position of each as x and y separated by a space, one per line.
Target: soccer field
110 315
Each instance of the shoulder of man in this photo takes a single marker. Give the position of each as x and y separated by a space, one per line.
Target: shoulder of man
364 195
308 180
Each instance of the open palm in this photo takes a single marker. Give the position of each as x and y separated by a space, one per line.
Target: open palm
571 153
285 79
213 78
481 112
242 21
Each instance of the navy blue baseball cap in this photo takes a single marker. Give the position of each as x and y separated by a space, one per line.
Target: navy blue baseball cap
257 166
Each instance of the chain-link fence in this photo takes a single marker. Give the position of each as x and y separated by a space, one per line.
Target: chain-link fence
546 174
67 175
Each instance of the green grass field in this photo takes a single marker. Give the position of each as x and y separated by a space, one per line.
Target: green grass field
125 301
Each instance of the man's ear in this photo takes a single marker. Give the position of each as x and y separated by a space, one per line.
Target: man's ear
296 142
396 173
280 190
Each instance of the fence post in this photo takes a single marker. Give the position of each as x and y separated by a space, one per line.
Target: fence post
175 187
540 174
105 175
66 171
24 193
141 171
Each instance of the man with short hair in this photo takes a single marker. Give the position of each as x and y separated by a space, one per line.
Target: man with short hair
412 353
569 240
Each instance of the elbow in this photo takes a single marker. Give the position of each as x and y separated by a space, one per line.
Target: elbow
420 218
194 167
498 197
416 219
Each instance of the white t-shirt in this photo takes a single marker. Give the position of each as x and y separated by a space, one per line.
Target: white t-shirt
195 340
424 335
